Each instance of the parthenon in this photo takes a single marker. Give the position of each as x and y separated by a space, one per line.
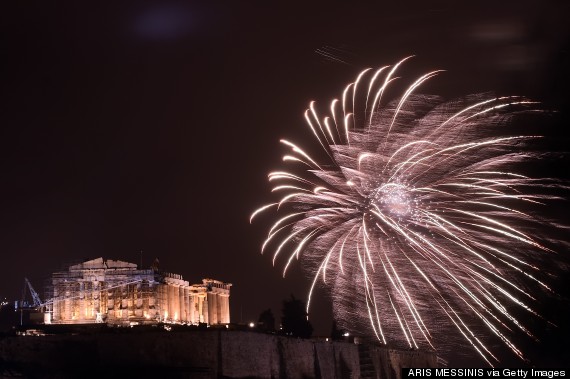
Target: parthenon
117 292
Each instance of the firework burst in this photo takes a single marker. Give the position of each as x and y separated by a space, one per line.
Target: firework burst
417 223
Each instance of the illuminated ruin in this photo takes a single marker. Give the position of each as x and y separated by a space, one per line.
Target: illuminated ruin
117 292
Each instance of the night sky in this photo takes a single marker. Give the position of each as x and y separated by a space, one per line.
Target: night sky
152 126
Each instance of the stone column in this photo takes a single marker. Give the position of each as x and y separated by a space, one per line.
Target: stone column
225 300
181 307
171 308
187 304
212 309
81 300
89 301
164 306
219 305
67 304
191 307
175 303
138 300
168 304
200 317
204 314
194 303
96 298
228 315
55 305
124 301
151 300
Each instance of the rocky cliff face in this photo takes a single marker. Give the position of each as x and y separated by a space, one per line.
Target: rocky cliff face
198 354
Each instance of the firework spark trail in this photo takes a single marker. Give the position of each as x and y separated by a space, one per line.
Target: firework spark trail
417 225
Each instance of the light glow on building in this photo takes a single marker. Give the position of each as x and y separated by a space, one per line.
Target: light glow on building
117 292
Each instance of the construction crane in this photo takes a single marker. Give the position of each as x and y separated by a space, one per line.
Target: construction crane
37 302
23 304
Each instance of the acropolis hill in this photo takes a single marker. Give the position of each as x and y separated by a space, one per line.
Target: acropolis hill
110 319
188 352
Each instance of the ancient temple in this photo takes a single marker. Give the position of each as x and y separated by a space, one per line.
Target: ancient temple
117 292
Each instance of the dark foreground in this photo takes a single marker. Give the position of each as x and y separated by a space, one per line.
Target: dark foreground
179 353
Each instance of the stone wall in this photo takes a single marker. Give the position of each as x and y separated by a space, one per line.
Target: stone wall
195 354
